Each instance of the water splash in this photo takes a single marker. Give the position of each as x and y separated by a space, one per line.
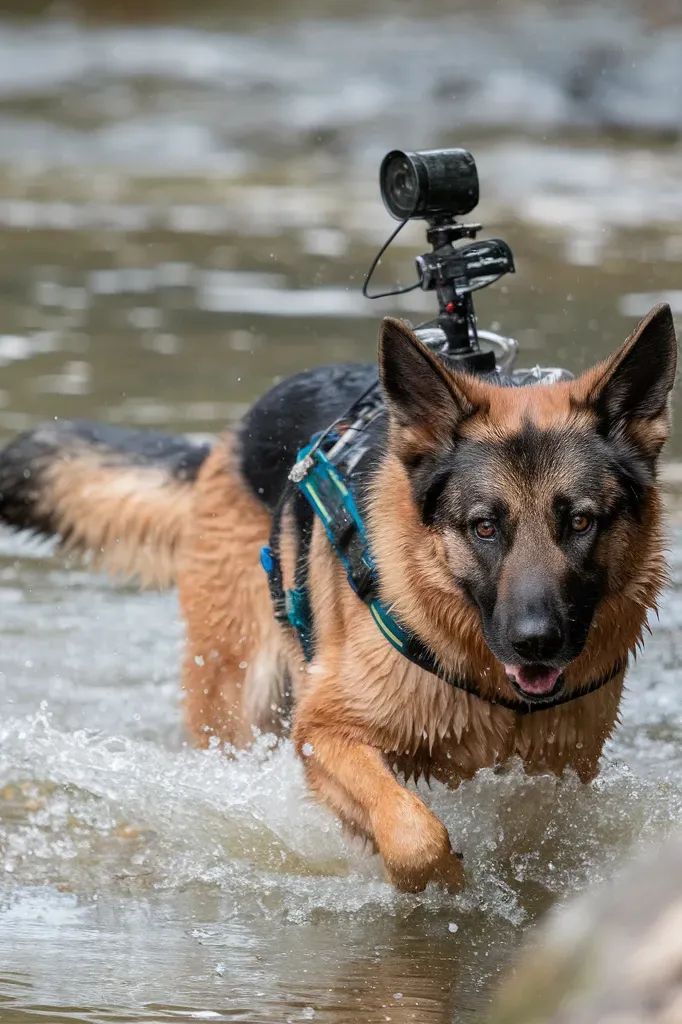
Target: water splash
88 812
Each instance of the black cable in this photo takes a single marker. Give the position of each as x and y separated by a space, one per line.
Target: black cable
426 323
375 262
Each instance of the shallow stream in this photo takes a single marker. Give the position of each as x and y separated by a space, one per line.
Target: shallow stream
186 211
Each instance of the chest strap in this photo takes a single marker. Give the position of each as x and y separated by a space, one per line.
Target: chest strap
330 497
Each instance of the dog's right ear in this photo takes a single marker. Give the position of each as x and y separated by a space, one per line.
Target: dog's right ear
424 398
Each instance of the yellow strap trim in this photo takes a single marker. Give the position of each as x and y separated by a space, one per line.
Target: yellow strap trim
339 483
318 501
384 628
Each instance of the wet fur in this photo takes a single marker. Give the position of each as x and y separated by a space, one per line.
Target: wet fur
360 713
119 496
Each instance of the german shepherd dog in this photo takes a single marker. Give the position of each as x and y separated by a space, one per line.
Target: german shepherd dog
515 530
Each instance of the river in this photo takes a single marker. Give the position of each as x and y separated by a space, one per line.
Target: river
188 203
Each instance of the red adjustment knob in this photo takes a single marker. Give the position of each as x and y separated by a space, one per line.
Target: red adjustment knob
450 308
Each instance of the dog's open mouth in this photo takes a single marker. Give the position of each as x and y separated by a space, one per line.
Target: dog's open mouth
535 682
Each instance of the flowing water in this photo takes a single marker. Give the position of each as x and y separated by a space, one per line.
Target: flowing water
186 211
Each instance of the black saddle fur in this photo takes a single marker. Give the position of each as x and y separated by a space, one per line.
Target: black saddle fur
282 422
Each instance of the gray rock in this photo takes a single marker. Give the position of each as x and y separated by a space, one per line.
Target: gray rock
611 957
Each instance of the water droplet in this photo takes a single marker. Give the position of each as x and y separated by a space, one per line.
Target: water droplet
307 750
198 660
452 927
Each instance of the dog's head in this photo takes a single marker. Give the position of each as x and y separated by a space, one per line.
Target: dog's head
535 503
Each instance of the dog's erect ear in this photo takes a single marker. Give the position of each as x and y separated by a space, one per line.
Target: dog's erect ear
422 395
629 391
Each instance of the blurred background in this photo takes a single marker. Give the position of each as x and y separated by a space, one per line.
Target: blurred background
189 200
188 205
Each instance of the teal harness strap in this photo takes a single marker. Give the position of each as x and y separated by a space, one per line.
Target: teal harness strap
334 504
330 496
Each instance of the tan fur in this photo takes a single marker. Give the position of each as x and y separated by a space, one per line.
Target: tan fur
234 665
129 519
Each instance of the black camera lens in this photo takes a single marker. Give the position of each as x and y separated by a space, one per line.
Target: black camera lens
400 187
431 184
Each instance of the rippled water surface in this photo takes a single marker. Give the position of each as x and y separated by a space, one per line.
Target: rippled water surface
187 208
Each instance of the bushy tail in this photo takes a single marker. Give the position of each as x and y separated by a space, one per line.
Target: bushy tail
120 496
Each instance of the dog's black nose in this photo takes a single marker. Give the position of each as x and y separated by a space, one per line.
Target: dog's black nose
536 638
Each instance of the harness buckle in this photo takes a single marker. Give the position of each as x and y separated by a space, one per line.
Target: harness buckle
301 468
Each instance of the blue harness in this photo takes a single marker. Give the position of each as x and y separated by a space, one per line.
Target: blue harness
331 498
318 477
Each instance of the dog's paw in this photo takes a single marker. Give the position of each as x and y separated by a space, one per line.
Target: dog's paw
450 873
447 872
415 847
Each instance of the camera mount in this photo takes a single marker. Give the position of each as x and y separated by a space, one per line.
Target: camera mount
454 274
437 186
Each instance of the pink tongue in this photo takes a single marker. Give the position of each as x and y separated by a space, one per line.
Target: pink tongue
534 678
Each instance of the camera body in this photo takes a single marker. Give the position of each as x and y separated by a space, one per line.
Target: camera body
431 184
438 186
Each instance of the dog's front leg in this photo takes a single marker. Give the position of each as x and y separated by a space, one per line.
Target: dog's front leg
354 779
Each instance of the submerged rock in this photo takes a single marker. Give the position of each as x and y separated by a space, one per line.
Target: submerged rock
612 957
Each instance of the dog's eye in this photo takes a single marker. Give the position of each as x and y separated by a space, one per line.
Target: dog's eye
485 529
581 523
